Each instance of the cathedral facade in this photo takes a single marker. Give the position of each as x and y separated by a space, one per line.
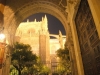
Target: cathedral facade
36 34
80 18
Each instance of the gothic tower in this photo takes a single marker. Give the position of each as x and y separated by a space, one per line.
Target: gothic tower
37 36
44 51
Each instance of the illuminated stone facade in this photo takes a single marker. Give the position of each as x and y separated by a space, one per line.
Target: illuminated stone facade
13 12
36 34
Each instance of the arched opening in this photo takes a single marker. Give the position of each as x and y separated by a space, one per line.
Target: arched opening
29 32
15 16
16 11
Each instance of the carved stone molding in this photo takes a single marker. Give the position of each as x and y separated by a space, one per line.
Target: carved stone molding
41 4
36 7
14 17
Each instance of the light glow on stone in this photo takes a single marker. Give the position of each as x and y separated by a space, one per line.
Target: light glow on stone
2 36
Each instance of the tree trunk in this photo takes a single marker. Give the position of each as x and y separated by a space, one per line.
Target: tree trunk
19 71
18 68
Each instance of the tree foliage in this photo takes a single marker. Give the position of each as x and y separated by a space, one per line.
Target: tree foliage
64 57
22 56
63 54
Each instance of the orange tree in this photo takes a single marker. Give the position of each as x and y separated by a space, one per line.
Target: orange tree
22 57
64 57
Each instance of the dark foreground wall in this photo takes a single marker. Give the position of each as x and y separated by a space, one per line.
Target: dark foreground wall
88 39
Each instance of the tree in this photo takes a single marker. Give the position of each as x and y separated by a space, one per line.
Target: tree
44 70
40 68
22 56
63 54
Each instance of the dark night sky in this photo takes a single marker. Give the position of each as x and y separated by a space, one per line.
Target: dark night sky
54 25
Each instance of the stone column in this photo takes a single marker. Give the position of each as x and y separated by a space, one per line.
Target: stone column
6 69
60 40
42 46
95 9
77 54
1 16
2 5
70 46
73 42
48 50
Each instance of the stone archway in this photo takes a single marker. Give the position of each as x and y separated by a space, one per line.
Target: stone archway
14 17
16 11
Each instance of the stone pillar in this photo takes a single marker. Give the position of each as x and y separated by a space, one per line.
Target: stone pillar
72 52
60 40
42 47
44 50
2 5
6 68
76 48
48 50
95 9
1 19
74 43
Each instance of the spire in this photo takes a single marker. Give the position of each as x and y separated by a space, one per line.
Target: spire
27 20
60 34
45 18
44 24
35 20
60 39
42 18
